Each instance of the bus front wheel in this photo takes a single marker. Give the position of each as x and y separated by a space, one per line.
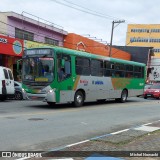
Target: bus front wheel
78 99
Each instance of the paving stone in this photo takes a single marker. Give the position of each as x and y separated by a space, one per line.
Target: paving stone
156 124
124 136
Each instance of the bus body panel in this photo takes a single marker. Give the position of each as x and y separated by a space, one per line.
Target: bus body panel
94 87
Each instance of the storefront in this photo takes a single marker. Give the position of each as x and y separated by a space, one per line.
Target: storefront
11 50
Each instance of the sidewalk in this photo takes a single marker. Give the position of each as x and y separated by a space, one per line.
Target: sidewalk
132 143
141 142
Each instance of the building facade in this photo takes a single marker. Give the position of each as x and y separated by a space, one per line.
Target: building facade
26 28
11 50
144 35
147 35
78 42
23 30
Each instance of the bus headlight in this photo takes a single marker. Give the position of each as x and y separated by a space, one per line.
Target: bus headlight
23 90
52 90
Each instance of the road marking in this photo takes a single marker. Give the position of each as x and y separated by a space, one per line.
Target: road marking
124 130
147 128
98 137
84 123
70 145
147 124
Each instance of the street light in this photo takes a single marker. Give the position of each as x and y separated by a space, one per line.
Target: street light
118 22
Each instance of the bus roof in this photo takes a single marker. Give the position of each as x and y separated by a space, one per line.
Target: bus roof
89 55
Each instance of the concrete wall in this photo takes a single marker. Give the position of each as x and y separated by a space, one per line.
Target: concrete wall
39 32
3 23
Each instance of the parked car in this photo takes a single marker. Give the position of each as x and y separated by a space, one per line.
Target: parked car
147 86
6 83
153 91
19 92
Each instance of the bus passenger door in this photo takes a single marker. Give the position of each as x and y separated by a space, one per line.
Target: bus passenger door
64 77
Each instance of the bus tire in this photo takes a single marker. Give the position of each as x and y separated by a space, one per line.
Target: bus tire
101 101
3 98
124 96
51 103
78 99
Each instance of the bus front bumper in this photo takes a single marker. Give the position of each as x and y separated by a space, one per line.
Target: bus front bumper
49 97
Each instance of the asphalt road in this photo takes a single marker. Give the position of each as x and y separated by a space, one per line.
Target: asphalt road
33 125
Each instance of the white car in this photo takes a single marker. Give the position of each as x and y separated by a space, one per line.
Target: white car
6 83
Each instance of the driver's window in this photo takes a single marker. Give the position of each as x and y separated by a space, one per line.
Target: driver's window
64 66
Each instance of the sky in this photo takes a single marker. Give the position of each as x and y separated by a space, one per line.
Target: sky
90 18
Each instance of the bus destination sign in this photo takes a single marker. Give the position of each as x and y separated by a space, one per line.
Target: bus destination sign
37 52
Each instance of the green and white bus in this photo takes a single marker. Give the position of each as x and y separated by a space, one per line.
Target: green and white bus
60 75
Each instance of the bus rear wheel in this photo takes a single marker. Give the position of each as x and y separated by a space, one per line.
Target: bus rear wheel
124 96
78 99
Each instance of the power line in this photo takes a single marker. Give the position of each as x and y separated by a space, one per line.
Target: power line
89 11
75 6
98 13
83 9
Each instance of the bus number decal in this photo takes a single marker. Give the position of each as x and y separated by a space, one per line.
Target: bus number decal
85 82
97 82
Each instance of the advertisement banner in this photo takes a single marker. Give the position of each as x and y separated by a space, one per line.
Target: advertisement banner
11 46
31 44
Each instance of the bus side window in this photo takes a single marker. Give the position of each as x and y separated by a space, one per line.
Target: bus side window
61 74
82 66
67 67
64 66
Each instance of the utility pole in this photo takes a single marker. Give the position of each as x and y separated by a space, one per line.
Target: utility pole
118 22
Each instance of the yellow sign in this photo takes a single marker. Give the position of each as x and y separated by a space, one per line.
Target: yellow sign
30 44
41 79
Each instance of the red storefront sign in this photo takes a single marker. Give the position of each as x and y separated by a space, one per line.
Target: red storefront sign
11 46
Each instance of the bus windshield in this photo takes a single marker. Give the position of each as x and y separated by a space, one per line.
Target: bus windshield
38 69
